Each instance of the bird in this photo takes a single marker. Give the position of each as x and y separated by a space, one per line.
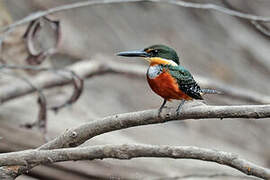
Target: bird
167 77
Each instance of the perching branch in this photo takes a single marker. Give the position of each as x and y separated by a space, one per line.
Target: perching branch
77 136
124 152
205 6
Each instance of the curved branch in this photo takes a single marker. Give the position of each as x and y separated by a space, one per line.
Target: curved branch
43 80
36 15
261 28
132 151
209 176
41 121
78 85
86 69
79 135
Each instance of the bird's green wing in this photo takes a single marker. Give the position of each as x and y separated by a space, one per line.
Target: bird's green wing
185 81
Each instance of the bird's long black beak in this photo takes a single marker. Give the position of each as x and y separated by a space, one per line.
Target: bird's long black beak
136 53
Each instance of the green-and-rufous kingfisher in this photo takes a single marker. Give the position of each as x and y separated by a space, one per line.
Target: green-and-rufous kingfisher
167 77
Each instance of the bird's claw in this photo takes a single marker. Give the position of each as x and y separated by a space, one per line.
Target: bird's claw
161 107
179 108
159 112
178 111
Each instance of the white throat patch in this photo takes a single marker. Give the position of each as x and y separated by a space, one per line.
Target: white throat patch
154 71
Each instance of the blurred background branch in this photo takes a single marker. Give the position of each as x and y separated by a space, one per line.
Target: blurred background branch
207 6
89 68
260 27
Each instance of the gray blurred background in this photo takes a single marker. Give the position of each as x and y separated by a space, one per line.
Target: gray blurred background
210 44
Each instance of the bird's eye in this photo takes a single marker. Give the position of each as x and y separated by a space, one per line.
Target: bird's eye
155 52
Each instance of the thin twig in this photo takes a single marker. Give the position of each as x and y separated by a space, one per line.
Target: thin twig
41 121
78 85
206 6
75 79
45 80
125 152
28 67
260 27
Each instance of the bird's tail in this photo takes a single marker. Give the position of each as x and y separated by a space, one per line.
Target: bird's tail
210 91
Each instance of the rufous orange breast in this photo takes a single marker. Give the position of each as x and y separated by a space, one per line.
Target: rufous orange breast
163 84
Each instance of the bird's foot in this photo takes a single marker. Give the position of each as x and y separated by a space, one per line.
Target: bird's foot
178 112
161 107
159 112
179 108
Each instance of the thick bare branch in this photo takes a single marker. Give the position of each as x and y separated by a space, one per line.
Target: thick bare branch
132 151
77 136
39 14
208 176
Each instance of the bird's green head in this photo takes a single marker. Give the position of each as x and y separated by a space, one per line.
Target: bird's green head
155 54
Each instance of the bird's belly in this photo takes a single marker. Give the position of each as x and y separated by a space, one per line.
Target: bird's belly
166 86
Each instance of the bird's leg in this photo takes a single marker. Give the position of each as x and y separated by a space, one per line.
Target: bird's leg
161 107
180 106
